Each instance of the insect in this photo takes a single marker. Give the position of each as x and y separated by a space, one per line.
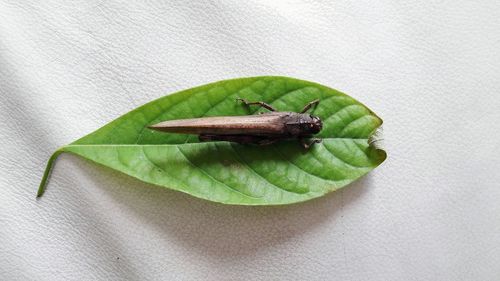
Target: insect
261 129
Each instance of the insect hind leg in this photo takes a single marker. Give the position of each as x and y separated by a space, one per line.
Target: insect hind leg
241 139
261 103
309 105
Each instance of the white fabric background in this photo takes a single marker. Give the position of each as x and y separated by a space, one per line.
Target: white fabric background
430 69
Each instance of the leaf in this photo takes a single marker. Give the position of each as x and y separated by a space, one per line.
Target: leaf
230 173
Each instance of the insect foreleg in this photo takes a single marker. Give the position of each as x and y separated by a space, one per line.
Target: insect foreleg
306 145
261 103
309 105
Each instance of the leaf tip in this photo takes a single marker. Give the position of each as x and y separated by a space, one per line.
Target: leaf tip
46 173
41 191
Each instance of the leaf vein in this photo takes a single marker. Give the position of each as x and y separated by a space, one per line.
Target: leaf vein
344 161
257 173
159 167
213 178
302 169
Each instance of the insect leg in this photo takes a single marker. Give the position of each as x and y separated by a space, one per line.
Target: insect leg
233 138
242 139
261 103
267 141
306 145
309 105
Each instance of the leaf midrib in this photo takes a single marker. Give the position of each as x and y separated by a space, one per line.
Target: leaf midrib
188 143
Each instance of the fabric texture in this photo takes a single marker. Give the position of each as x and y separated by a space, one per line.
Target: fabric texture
429 69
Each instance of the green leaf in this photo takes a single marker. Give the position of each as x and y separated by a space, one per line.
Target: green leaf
230 173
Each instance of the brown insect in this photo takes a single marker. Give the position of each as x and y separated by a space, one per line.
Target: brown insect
260 129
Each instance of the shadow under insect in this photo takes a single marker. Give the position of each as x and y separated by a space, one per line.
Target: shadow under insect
247 168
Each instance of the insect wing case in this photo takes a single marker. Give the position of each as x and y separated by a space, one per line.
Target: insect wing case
273 123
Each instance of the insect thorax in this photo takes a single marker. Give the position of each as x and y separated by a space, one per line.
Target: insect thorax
302 124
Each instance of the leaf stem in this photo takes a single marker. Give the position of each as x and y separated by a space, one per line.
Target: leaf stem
48 169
